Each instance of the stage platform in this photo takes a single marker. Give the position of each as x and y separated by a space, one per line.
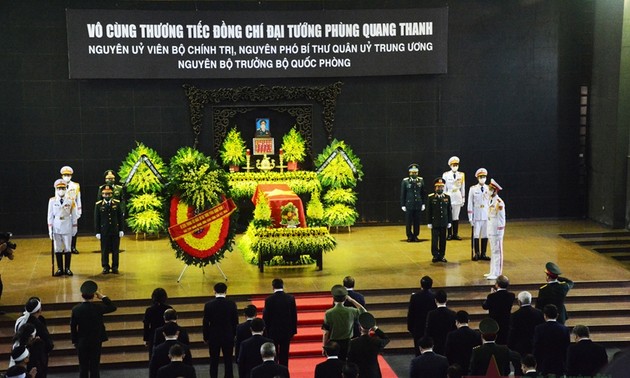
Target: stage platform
377 256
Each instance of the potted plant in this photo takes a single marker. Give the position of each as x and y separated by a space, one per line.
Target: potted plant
294 148
233 150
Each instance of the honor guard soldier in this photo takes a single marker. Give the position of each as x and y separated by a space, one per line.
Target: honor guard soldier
412 202
62 226
456 188
478 202
108 223
73 193
496 229
439 217
117 190
555 291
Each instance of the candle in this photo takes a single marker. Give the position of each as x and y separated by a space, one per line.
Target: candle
281 152
247 152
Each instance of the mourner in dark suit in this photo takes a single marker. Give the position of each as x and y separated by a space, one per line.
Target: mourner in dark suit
439 218
348 283
460 343
440 322
154 317
420 304
161 352
585 358
499 305
364 350
244 330
280 316
428 363
482 355
108 223
412 199
220 318
177 367
333 366
269 368
170 316
87 328
554 291
551 340
522 324
528 366
249 353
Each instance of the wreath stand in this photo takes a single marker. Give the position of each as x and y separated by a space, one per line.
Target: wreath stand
203 271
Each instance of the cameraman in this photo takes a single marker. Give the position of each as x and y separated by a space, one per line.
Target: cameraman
6 250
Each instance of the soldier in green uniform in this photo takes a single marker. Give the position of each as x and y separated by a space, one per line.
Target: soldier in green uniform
555 291
118 190
108 223
440 217
412 202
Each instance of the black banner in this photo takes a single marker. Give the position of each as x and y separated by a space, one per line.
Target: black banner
113 44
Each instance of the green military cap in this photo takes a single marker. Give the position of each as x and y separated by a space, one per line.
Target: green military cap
339 292
413 167
552 269
439 182
366 320
89 287
488 325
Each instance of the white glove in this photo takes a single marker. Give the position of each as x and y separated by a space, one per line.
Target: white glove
423 207
429 226
98 236
404 208
121 234
50 234
472 223
448 225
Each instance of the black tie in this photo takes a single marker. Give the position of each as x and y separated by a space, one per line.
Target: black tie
482 189
454 176
61 201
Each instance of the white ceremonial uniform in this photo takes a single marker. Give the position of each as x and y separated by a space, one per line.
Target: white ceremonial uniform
74 193
62 222
455 187
478 201
496 230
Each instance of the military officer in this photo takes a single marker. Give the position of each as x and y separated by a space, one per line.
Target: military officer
412 202
555 291
73 193
108 223
440 219
496 229
118 194
456 188
62 226
478 201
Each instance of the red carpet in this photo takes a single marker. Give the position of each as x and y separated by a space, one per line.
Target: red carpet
306 347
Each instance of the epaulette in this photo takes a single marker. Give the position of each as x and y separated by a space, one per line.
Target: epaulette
432 195
115 200
543 286
97 202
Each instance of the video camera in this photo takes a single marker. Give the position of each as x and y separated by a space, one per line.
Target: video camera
6 237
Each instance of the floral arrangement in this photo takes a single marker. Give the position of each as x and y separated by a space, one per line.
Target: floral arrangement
243 184
262 212
196 184
294 146
289 215
146 202
315 211
233 149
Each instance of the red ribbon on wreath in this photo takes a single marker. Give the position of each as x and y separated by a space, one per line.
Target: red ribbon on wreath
200 235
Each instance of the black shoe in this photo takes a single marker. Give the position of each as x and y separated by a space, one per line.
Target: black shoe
409 240
435 260
456 237
416 240
105 270
74 251
115 271
485 258
449 237
69 272
58 273
475 258
443 259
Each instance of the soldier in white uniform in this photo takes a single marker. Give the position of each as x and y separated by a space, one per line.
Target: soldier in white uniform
456 189
496 229
73 193
62 226
478 201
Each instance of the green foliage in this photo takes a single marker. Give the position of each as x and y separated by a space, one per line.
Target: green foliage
345 196
148 221
199 180
293 146
340 215
328 150
233 148
262 212
243 184
142 202
315 211
245 243
337 174
144 180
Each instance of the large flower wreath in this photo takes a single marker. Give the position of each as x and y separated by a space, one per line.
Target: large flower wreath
198 187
